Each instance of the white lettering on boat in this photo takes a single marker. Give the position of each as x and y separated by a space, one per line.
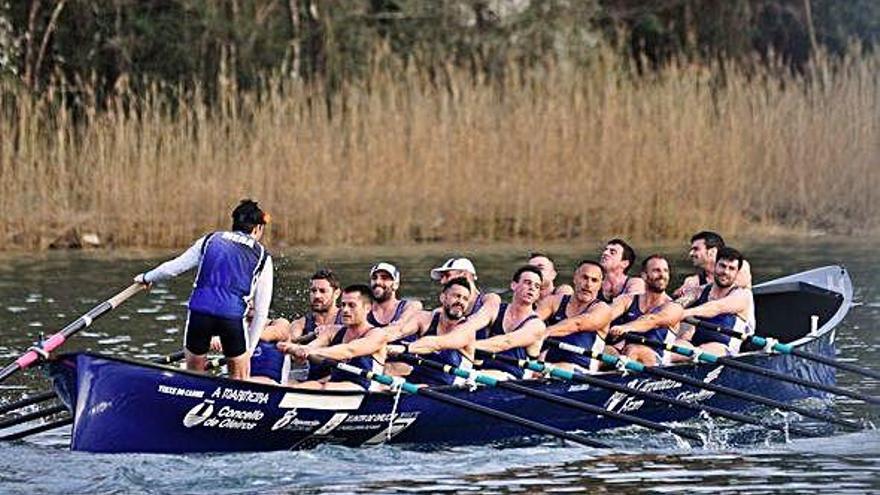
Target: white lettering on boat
227 418
181 392
235 395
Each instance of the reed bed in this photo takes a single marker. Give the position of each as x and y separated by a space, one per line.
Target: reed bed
567 152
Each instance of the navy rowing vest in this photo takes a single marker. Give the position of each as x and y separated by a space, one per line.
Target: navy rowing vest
477 304
581 339
362 362
497 328
704 335
429 376
398 312
608 300
310 324
228 269
268 361
634 312
322 369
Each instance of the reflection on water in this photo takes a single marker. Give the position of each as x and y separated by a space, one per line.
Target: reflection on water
41 293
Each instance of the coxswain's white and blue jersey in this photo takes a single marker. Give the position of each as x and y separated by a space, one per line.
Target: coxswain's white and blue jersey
233 269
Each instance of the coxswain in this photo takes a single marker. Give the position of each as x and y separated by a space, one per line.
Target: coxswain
723 303
617 259
579 319
652 315
438 336
355 342
233 270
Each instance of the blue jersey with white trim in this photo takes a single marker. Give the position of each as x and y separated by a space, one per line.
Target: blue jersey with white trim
587 340
497 328
228 269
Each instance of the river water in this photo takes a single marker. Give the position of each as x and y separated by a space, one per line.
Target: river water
41 293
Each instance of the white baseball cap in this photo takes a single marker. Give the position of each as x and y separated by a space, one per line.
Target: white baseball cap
388 268
462 264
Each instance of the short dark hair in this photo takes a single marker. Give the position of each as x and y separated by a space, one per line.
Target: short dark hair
629 254
711 239
361 289
591 263
328 275
527 268
654 256
729 254
457 281
248 215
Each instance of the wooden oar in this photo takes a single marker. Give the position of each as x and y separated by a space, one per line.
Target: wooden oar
769 344
542 367
556 399
693 382
457 402
42 349
707 357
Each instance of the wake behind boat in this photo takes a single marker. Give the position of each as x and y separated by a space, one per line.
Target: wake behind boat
123 405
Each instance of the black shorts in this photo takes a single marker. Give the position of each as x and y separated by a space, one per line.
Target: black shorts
201 327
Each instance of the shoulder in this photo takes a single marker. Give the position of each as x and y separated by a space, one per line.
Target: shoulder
564 290
491 298
413 305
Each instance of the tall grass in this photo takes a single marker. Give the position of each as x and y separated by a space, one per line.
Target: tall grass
565 152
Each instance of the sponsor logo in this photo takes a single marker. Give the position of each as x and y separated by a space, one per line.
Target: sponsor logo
227 418
236 395
181 392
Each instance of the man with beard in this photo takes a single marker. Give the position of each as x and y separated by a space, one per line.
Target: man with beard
617 259
355 342
387 308
268 364
438 336
548 272
580 319
463 267
723 303
704 250
653 314
513 329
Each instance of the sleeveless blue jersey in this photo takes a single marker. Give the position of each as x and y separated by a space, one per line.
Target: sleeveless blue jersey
497 328
429 376
268 361
228 269
581 339
634 312
398 312
363 362
704 335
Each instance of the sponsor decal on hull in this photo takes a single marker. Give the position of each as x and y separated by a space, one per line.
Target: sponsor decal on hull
623 403
208 415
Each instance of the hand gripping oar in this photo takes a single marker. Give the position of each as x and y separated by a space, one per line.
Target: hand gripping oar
564 401
42 349
575 376
770 344
707 357
455 401
693 382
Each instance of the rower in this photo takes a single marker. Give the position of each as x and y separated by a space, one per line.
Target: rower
580 319
723 303
652 315
270 365
438 335
233 269
463 267
355 342
703 251
617 258
548 272
387 308
513 329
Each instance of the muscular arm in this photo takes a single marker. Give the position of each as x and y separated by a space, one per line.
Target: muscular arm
371 343
482 318
689 282
530 334
744 277
412 309
548 306
593 320
668 316
636 286
736 302
416 323
619 305
457 338
279 330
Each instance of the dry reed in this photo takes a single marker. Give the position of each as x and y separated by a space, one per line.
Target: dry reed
565 153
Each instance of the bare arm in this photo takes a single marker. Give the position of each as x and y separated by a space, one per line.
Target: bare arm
736 303
594 320
564 290
689 282
744 277
548 306
405 327
278 330
482 318
455 339
619 305
413 307
371 343
668 316
530 334
635 286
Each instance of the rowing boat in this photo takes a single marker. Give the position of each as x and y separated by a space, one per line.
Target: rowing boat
125 405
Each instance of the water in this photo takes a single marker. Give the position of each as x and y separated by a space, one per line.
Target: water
41 293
